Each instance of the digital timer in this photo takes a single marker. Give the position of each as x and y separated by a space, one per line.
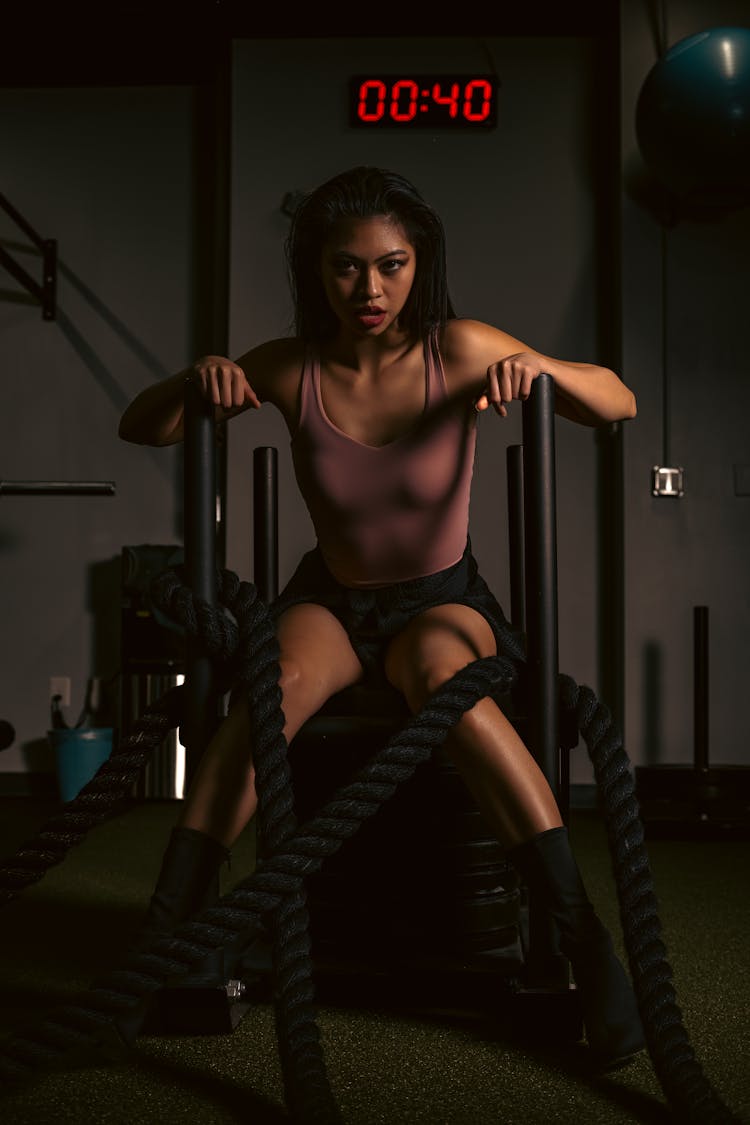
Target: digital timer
423 101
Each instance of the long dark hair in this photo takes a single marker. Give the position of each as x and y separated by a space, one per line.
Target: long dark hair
362 193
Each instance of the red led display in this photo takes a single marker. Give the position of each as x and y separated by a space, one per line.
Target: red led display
423 101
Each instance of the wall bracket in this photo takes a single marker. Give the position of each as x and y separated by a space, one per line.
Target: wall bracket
46 292
667 481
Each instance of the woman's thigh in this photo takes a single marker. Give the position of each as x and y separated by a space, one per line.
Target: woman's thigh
434 646
316 658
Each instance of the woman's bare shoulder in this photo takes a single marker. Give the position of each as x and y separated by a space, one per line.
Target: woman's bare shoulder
464 337
274 368
469 346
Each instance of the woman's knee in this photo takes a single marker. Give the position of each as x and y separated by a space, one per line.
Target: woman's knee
304 678
304 689
316 656
291 675
433 648
298 689
418 679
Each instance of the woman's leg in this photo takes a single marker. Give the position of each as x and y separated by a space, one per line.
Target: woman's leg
501 774
516 800
316 661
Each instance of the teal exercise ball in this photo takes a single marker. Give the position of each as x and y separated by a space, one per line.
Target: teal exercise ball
693 118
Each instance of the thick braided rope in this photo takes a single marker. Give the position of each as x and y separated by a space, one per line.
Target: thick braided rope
88 1023
307 1091
102 797
245 622
681 1076
679 1073
111 789
277 880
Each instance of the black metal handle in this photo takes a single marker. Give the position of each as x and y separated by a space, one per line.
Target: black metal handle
265 522
57 487
540 548
516 567
201 707
700 687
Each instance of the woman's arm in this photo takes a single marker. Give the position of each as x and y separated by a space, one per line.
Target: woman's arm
500 368
155 416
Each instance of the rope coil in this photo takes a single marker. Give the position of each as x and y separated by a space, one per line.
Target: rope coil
239 636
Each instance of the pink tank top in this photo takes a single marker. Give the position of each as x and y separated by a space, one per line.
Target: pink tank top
390 513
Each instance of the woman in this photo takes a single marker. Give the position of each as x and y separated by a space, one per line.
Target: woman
380 388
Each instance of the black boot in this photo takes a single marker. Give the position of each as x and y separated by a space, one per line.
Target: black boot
188 882
610 1013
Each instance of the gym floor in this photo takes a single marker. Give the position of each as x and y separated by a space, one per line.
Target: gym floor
386 1064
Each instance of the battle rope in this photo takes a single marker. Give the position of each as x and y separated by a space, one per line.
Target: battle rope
275 896
108 792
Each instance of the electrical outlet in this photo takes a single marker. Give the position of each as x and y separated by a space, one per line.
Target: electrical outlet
60 685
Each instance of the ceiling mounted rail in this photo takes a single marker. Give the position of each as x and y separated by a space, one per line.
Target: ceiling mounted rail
46 292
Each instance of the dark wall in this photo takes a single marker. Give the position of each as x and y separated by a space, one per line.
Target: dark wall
113 132
684 280
521 210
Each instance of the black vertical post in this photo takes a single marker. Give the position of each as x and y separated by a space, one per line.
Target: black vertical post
540 532
201 709
514 468
265 522
700 687
546 968
211 229
610 566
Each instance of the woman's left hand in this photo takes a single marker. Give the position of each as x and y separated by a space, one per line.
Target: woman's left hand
507 379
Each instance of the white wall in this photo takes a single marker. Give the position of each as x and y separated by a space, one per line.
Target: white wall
519 213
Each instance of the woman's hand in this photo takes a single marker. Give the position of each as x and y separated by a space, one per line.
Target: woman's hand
223 383
507 379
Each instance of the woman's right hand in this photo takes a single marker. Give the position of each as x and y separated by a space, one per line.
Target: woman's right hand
224 383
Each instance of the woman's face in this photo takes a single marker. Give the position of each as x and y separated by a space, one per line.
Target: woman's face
367 269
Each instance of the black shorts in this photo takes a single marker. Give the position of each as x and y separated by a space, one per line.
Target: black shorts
373 617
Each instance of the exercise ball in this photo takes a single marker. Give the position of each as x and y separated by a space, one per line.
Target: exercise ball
693 118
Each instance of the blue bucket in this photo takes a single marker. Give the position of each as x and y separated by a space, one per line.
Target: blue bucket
79 754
